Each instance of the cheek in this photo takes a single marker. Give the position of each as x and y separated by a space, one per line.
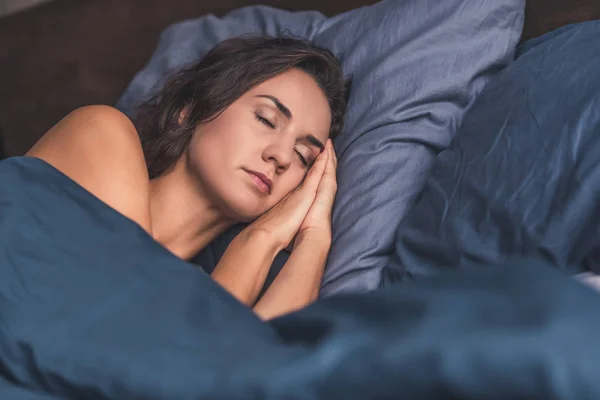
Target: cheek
214 144
286 185
204 154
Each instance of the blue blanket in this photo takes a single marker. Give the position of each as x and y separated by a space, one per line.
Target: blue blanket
522 177
92 307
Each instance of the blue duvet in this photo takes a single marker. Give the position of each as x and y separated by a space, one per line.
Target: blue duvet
91 307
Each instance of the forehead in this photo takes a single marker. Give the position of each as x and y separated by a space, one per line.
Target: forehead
299 92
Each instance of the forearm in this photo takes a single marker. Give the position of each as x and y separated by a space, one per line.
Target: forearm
244 266
298 283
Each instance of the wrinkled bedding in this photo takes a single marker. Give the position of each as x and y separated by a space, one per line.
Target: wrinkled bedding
416 67
92 307
522 177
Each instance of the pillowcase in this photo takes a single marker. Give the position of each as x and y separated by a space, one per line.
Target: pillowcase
522 177
417 66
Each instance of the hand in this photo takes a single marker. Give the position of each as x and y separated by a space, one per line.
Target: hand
283 221
317 223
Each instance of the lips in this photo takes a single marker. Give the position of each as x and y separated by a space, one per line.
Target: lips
262 182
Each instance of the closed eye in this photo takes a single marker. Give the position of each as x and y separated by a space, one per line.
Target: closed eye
264 121
302 159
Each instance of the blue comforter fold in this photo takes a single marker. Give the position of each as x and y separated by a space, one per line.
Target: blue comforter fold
92 307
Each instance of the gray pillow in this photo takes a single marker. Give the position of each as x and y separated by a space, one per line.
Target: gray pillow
522 177
416 65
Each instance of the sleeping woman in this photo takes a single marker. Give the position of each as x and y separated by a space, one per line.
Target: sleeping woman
244 135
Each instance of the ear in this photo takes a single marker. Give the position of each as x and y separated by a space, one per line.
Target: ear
183 114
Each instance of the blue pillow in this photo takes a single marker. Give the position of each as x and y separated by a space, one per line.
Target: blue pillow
522 177
417 66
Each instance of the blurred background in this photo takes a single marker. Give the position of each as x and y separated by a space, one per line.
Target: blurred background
57 55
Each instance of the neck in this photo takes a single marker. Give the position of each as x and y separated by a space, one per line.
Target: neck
183 218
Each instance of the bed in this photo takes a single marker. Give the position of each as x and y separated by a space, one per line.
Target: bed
457 314
120 317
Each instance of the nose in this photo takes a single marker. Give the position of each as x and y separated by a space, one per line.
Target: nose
280 153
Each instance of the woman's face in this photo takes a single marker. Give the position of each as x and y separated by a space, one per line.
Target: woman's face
261 147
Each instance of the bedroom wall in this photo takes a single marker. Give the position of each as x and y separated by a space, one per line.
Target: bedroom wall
12 6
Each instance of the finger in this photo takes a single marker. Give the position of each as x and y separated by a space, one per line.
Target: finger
328 183
333 156
335 159
330 170
311 182
325 197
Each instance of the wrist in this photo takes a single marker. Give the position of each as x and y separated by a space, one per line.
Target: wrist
263 239
317 239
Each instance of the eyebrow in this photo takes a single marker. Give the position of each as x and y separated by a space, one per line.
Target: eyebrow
284 110
288 114
314 141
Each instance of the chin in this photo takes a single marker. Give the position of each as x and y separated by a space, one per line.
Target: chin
239 200
242 208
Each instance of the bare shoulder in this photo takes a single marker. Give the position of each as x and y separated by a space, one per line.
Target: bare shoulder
99 148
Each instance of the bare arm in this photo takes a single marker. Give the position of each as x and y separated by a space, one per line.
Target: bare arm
306 212
298 283
243 268
98 147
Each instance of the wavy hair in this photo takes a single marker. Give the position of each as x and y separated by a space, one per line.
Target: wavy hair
225 73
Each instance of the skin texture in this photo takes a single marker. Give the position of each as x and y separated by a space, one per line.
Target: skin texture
237 140
210 182
210 187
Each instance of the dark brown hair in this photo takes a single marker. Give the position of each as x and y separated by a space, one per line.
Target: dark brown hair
224 74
